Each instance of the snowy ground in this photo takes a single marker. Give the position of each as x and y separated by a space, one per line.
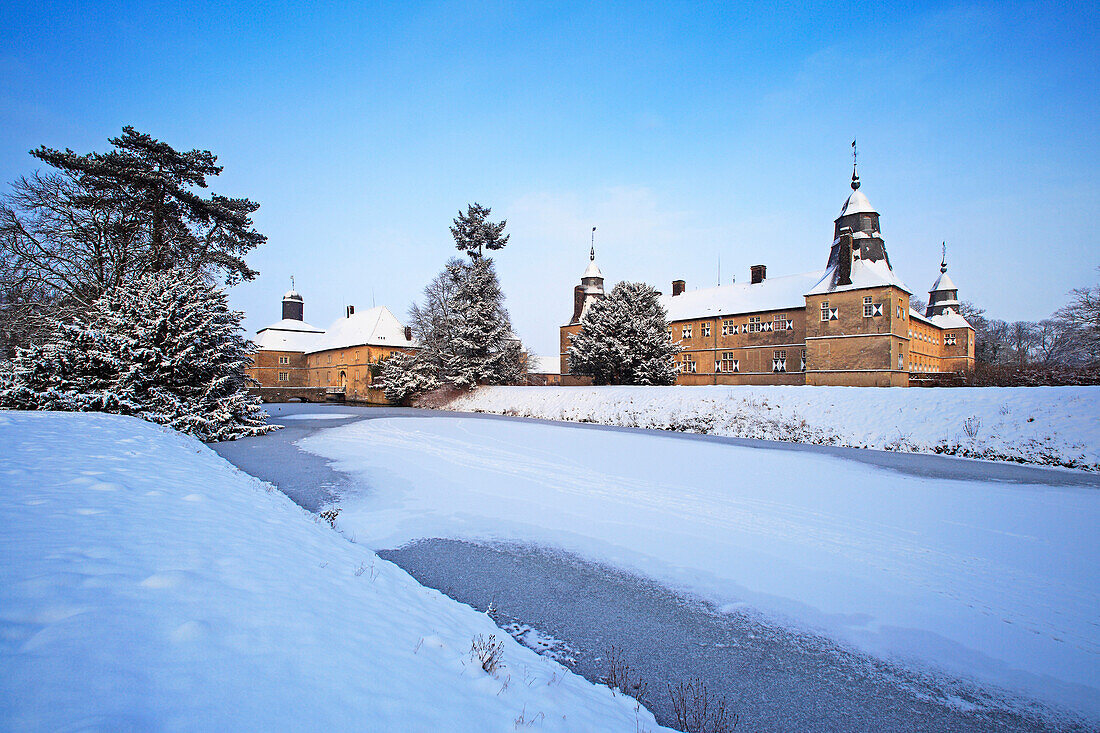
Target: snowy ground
995 582
147 584
1057 426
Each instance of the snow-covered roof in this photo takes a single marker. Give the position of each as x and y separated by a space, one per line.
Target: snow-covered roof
374 327
271 339
291 324
545 365
865 274
592 270
292 295
918 315
287 335
943 282
857 203
777 293
949 319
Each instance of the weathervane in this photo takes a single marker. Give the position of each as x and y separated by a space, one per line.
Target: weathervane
291 282
855 158
592 251
943 262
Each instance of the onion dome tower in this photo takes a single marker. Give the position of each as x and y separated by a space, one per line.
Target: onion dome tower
591 286
293 305
859 220
944 295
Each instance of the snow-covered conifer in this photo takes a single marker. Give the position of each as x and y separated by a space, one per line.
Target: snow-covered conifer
167 349
485 351
624 339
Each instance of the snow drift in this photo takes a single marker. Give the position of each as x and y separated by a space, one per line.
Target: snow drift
147 584
1055 426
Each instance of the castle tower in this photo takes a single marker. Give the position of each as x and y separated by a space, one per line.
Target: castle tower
944 295
293 305
859 220
591 286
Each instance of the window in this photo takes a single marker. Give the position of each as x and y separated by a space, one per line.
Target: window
728 329
706 330
901 313
284 359
949 339
728 363
870 310
689 364
686 331
779 361
827 313
284 376
779 322
754 324
803 367
901 362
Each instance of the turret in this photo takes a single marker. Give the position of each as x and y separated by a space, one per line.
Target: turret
860 220
591 286
944 295
293 305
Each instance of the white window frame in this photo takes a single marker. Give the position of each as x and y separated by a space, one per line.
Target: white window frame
949 339
755 325
706 330
685 332
284 376
779 360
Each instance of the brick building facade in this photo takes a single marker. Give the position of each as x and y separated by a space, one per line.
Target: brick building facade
295 359
849 324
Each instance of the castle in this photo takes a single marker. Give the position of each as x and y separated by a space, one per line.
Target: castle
297 360
849 324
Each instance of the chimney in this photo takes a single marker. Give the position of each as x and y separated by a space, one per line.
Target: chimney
844 266
758 273
578 303
351 311
678 287
408 333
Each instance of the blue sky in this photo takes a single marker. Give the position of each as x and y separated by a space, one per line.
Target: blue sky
685 132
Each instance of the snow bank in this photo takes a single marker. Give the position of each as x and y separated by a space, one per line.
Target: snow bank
996 582
1057 426
147 584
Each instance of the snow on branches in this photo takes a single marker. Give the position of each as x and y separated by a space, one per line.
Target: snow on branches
167 349
624 339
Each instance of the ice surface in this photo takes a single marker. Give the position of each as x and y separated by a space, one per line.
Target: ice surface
993 582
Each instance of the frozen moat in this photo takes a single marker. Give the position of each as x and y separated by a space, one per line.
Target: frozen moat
776 678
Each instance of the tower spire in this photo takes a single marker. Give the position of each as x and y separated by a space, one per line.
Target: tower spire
291 282
592 251
855 157
943 262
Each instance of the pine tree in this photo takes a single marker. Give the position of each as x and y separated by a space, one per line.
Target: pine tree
167 349
484 349
473 232
624 339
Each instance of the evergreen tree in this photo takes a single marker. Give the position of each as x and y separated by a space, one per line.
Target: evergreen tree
473 232
76 370
484 349
624 339
153 183
167 349
405 375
